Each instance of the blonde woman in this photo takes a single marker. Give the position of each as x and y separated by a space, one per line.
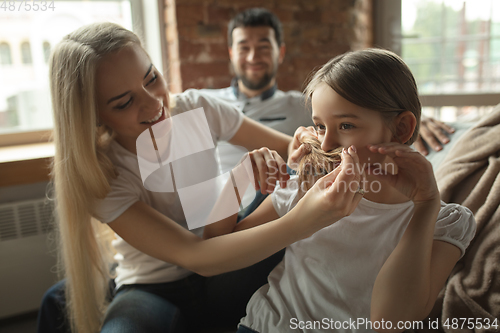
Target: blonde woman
105 93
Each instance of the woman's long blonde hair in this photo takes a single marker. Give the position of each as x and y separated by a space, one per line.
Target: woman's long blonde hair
81 172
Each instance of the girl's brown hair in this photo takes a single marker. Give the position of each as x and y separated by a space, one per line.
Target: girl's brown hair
375 79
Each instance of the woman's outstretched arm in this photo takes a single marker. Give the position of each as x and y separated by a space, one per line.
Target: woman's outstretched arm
160 237
253 135
265 168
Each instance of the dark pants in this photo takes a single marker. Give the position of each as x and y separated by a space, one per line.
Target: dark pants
187 305
244 329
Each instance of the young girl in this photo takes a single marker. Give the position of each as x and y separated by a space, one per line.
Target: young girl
105 93
385 263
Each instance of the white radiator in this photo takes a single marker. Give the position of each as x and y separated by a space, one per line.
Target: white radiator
27 257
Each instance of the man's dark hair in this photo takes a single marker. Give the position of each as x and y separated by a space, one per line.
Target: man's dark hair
255 17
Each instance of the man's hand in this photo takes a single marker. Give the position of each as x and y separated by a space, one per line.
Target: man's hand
433 132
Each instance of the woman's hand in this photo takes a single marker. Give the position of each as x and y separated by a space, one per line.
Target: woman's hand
297 150
267 168
335 195
415 177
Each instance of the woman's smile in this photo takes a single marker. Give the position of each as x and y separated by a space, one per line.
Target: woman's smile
159 117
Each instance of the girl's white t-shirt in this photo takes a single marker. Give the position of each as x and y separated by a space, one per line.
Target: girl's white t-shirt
325 282
133 265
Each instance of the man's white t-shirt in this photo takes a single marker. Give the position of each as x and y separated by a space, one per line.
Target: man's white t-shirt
327 279
133 265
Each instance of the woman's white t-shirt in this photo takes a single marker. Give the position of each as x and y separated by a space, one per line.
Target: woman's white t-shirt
133 265
325 282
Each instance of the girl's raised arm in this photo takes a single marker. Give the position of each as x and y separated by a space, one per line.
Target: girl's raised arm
410 280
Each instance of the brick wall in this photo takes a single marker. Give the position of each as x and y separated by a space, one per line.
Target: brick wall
314 31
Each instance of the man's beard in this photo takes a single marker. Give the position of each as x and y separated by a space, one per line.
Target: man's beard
263 82
252 85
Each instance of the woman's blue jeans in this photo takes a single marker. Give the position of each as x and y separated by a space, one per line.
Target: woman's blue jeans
192 304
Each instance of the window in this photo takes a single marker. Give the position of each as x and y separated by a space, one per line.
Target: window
26 53
5 57
24 90
452 48
46 51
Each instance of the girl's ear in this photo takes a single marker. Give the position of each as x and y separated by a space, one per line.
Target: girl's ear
404 125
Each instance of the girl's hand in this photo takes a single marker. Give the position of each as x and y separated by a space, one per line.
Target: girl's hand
267 168
335 195
297 149
415 177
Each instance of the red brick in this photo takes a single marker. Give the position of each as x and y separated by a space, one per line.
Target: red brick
208 82
286 67
343 4
220 15
306 65
219 51
325 50
194 2
293 49
291 32
289 82
284 15
308 16
194 84
209 33
193 71
316 33
315 4
189 33
242 4
188 49
333 16
288 4
189 15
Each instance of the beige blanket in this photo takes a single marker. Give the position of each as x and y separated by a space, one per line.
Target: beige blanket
470 176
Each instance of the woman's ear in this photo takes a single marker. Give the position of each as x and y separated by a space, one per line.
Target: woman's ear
404 125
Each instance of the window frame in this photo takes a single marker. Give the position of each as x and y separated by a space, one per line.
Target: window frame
387 35
26 55
9 49
151 32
